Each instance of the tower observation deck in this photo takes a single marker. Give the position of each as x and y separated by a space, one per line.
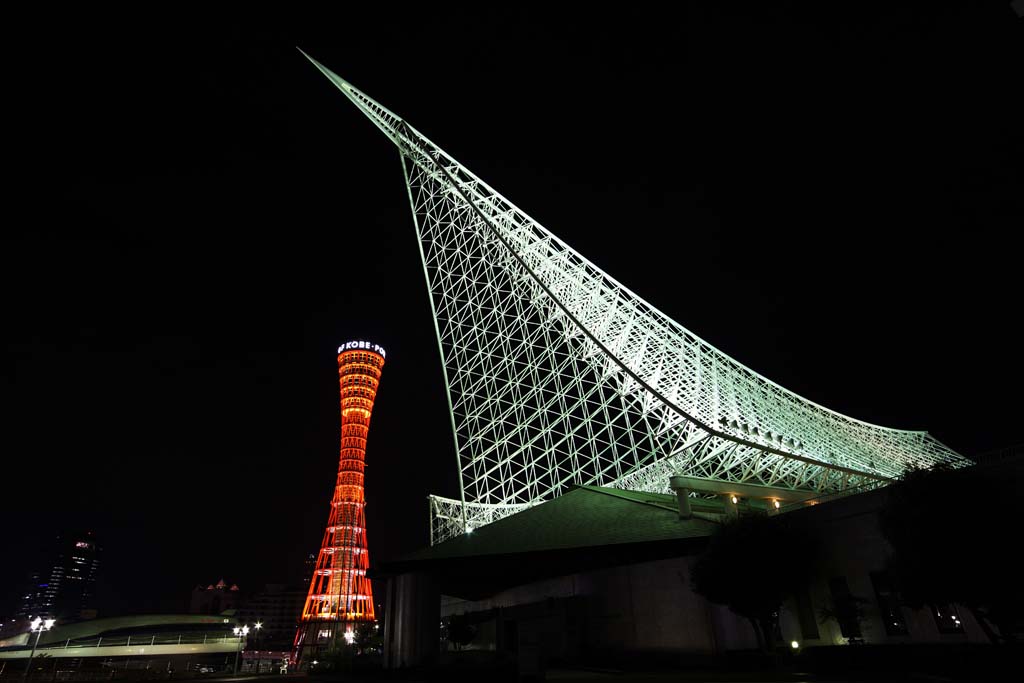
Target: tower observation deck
340 594
559 375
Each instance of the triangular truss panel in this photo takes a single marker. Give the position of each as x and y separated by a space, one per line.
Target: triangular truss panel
558 375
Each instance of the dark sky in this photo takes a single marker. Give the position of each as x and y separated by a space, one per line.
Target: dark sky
831 196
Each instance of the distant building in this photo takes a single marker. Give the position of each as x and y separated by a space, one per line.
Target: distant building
12 626
63 586
308 567
277 608
215 598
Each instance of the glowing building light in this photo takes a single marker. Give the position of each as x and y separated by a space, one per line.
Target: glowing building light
339 592
793 644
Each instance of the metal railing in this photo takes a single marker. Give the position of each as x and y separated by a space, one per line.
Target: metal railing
1000 454
834 495
139 641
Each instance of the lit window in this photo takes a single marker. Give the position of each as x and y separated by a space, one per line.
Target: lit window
948 619
889 604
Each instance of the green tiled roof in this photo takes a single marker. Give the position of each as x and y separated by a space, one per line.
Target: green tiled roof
588 516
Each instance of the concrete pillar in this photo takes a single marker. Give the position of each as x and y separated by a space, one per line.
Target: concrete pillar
731 508
682 497
412 625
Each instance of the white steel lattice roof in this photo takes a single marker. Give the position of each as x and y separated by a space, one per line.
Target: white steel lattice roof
558 374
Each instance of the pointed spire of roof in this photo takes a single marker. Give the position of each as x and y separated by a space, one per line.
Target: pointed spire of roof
384 119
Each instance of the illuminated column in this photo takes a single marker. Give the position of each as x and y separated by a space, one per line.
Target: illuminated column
339 592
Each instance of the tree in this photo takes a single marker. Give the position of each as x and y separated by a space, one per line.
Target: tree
751 565
367 638
849 611
953 534
459 631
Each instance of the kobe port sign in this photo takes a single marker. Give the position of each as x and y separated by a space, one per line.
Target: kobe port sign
365 345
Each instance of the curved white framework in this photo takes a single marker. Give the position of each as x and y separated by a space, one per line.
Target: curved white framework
559 375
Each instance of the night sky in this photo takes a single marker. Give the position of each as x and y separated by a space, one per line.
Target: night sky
198 218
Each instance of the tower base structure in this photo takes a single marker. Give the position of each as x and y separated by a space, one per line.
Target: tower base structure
317 641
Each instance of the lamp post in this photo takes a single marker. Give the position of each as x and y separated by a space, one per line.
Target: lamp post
239 631
38 626
258 626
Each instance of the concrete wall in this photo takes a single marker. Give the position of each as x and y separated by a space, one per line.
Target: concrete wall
411 626
644 607
853 547
649 607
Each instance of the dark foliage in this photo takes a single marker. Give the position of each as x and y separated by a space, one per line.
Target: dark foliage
460 632
367 638
849 612
954 538
751 565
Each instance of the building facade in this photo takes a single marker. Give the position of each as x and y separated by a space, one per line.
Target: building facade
277 609
603 574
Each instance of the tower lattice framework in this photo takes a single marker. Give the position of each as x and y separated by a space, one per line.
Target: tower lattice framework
559 375
340 593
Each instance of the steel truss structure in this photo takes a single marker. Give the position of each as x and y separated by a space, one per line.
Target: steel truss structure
559 375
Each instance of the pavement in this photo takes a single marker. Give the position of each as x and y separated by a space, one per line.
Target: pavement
269 678
584 675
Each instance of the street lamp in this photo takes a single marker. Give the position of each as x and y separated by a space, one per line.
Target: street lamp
239 631
258 626
38 626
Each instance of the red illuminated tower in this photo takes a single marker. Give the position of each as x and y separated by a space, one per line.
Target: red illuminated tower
339 592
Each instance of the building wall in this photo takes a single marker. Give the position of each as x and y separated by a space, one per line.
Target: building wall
649 606
277 608
643 607
852 549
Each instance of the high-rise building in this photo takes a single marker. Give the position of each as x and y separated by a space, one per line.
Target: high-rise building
308 567
339 593
63 586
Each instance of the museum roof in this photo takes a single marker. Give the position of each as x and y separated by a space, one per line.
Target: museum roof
586 516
